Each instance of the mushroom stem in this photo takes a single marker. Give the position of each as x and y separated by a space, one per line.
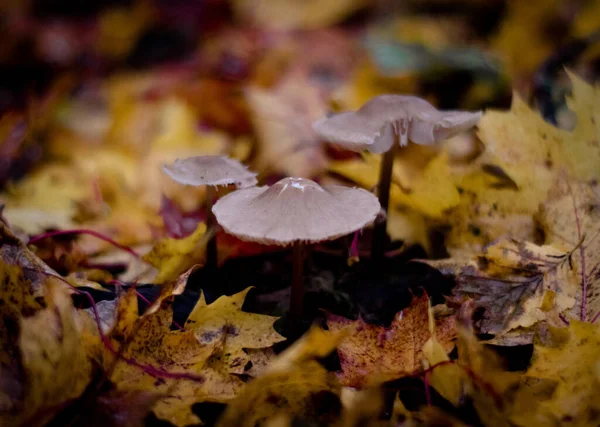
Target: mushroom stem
297 295
211 246
383 193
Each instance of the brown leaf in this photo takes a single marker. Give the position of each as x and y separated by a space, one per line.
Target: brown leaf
388 352
516 283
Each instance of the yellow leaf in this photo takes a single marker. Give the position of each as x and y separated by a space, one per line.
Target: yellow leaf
532 152
429 190
293 393
171 363
569 356
446 378
55 364
174 256
225 320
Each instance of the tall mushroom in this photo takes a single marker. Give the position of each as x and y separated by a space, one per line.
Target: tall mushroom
211 171
295 211
384 120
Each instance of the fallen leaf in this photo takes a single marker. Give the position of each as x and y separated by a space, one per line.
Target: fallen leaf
388 353
571 219
294 385
56 368
532 152
173 256
516 283
569 356
428 190
224 321
152 357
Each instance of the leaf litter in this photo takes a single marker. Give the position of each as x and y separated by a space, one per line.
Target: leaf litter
91 227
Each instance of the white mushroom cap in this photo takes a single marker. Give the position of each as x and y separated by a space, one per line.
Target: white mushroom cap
210 170
372 126
295 210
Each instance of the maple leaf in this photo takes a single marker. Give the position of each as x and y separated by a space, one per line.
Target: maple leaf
198 363
569 356
56 368
173 256
292 385
499 397
523 159
516 283
224 320
388 352
153 357
421 180
571 219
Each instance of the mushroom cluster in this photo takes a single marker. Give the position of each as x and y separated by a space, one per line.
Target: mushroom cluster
381 122
293 211
298 211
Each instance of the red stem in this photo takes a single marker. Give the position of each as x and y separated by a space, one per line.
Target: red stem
82 231
149 369
427 392
596 317
584 281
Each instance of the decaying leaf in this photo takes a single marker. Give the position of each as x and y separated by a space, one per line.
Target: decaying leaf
523 159
55 366
516 283
386 353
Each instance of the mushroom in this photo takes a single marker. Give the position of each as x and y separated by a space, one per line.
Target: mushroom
295 211
211 171
384 120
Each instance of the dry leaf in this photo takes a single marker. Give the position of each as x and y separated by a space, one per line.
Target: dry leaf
56 368
387 353
569 356
173 256
571 219
224 321
516 283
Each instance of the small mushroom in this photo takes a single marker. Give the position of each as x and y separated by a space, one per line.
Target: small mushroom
382 121
211 171
295 211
